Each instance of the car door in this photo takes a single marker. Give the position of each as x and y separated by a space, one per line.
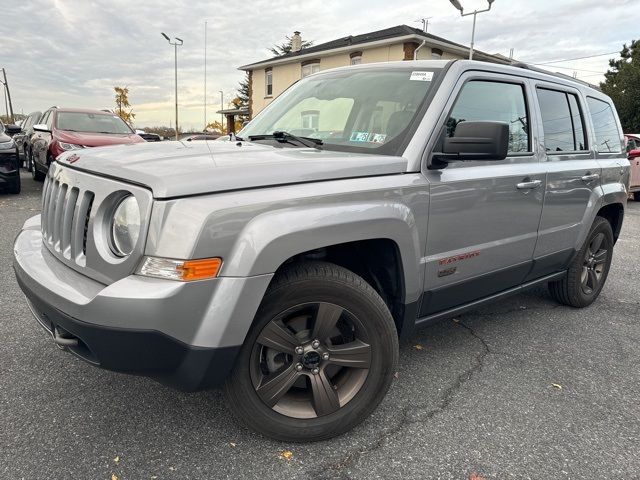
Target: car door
483 215
573 173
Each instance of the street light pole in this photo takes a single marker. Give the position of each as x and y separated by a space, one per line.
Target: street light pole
221 108
457 5
177 43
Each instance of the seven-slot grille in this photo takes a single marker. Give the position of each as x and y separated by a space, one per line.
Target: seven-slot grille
65 219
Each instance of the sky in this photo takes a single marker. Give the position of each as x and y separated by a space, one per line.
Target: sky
73 52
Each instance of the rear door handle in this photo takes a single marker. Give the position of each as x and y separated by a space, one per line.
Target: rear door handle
590 177
529 185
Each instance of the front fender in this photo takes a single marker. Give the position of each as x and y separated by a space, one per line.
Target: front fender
271 238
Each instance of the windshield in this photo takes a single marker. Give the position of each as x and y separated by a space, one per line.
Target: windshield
359 110
91 123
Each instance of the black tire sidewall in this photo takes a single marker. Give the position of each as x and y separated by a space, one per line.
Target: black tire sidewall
600 225
383 339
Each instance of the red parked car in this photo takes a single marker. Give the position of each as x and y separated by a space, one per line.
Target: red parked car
633 152
63 129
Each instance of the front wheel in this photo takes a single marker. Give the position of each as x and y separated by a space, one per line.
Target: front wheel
37 175
588 271
319 358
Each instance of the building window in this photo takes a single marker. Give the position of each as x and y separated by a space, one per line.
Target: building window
356 58
436 54
268 82
309 68
311 119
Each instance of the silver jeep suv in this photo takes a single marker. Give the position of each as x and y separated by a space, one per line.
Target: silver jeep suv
288 263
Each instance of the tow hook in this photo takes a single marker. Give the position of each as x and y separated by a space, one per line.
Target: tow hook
62 341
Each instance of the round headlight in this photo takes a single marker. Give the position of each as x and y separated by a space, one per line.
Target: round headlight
125 226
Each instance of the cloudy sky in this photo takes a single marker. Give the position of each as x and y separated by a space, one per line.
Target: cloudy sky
72 52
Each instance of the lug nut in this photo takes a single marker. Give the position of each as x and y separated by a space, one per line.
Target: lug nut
299 350
325 356
315 371
315 344
298 367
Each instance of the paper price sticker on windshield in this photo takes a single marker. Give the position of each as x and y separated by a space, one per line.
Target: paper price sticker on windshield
421 76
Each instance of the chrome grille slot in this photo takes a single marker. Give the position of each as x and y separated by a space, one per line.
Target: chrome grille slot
67 221
51 210
57 217
85 227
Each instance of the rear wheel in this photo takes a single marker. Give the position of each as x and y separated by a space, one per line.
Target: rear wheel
588 271
320 356
636 196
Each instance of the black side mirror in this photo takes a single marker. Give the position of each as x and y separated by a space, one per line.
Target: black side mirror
12 129
476 141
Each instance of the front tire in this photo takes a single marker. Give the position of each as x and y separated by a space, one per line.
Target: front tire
37 175
319 358
15 186
588 272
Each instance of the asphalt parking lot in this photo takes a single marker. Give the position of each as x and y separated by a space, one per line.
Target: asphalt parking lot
520 389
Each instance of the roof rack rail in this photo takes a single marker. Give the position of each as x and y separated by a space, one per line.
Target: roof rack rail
527 66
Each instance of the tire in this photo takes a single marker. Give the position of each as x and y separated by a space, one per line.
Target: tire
588 272
37 175
15 186
636 196
320 399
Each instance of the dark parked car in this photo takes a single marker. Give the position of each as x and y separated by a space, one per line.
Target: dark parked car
23 139
9 160
149 137
199 136
63 129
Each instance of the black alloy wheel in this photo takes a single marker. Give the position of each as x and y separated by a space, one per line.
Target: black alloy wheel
319 357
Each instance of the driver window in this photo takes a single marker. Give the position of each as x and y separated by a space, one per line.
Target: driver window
481 100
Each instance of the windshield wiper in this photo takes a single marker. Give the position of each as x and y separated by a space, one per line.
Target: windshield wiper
286 137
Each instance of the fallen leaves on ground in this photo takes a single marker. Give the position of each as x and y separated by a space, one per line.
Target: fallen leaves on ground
114 476
286 455
556 385
116 460
475 476
418 347
232 444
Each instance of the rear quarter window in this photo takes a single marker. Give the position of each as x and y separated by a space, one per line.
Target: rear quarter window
604 126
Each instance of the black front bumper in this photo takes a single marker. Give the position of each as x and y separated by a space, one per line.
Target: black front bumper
9 167
140 352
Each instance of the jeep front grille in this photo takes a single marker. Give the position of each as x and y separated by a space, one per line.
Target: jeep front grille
65 219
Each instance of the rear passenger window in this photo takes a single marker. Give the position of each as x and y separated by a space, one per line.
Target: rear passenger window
493 101
605 126
561 121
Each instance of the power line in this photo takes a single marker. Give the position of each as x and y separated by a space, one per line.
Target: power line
578 58
570 68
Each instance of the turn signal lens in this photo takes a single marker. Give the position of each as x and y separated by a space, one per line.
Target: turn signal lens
181 270
200 269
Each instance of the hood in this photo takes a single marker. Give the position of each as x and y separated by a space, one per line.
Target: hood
175 169
97 139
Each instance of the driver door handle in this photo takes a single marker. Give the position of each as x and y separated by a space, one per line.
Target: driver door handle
529 185
590 177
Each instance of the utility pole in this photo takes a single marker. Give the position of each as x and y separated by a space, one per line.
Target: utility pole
177 43
7 92
457 5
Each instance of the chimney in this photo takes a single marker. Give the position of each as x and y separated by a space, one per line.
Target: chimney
296 42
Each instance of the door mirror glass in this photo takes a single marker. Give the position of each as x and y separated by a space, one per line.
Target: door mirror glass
476 141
